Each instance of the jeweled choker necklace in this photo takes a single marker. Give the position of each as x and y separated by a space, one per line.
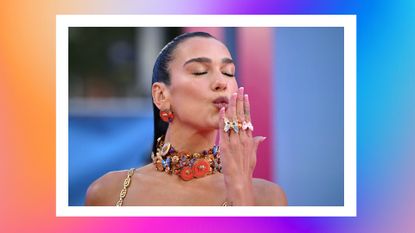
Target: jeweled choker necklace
184 164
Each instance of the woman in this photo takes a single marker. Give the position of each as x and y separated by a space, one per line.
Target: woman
195 95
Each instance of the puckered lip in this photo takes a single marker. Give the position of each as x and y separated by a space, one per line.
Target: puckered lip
221 100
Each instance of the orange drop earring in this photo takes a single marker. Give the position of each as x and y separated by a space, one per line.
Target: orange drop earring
167 116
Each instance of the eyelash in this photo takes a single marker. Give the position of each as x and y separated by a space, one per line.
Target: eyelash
202 73
199 73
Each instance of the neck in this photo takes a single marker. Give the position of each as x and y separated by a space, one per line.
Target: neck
185 138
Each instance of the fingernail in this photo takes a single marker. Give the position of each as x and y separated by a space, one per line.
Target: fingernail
246 95
263 138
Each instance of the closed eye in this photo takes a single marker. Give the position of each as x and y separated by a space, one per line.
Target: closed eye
229 75
203 73
199 73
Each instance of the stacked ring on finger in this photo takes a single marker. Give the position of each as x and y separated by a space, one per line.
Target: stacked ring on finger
247 125
228 125
235 126
240 124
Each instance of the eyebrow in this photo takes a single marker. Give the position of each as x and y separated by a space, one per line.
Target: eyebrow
208 60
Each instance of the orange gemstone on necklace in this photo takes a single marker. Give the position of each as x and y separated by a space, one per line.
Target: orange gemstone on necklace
200 168
186 173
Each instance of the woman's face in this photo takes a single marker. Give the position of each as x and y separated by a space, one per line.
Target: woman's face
202 81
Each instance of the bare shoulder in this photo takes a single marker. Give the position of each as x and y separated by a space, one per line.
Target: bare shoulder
268 193
105 190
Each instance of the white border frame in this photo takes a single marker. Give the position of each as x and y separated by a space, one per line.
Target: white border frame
348 22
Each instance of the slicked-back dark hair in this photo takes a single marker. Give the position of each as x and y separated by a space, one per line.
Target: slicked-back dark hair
161 74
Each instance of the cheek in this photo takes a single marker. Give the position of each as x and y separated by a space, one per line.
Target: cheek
185 92
233 86
187 97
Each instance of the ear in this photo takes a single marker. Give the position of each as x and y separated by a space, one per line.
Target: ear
161 95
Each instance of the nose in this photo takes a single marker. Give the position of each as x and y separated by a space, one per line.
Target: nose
219 83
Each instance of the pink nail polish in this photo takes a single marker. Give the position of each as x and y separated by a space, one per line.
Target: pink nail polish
222 112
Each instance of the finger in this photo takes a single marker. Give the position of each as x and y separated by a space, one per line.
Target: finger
247 111
223 136
252 160
240 112
247 108
231 114
258 140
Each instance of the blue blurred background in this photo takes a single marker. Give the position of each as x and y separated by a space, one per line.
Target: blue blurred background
309 110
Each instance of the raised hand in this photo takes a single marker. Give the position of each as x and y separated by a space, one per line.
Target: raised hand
238 149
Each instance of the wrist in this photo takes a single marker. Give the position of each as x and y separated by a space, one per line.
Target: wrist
238 183
240 193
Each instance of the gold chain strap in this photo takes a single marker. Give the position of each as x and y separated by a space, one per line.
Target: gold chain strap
226 203
127 183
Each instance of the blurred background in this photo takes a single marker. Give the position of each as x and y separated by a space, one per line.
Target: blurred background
294 77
